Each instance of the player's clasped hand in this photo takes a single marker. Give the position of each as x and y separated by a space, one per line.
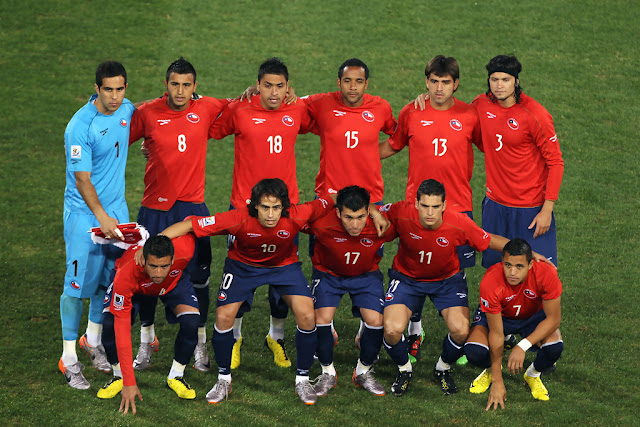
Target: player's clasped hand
129 393
497 396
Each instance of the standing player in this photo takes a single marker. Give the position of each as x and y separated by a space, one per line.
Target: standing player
175 129
440 139
163 274
346 260
263 252
427 265
522 159
265 132
517 296
96 141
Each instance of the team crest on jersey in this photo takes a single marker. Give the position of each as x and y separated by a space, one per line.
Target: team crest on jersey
146 285
283 234
193 117
388 297
207 221
529 294
222 296
368 116
367 243
415 236
484 302
258 121
513 124
123 123
426 122
507 299
442 241
456 125
76 152
287 120
118 301
74 284
175 273
339 113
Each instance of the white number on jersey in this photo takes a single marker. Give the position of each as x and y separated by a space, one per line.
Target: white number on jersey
499 142
268 248
443 146
275 144
182 143
517 307
428 254
393 285
352 138
226 281
355 256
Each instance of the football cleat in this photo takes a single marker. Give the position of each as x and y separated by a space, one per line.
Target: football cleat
143 358
73 375
538 390
111 389
235 353
306 392
280 357
325 382
446 382
414 343
201 357
221 390
481 383
401 383
97 354
510 341
368 382
462 360
182 389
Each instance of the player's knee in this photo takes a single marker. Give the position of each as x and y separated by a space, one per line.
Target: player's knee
189 322
553 350
477 354
306 320
459 331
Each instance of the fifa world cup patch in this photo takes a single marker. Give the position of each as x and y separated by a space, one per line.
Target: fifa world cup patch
204 222
76 152
118 301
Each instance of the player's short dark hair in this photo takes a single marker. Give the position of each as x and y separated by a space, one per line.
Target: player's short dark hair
181 66
517 247
269 187
430 187
353 62
110 69
159 246
353 198
504 64
442 66
273 66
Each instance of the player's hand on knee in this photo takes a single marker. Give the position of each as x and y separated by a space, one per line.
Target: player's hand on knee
129 393
516 360
497 396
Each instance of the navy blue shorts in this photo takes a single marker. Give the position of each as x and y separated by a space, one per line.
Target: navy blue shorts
240 280
512 222
522 327
450 292
366 290
183 293
155 221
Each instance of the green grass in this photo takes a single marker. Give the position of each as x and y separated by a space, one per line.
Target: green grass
581 61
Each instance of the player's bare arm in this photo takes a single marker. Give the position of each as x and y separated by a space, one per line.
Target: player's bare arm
380 221
544 329
108 225
129 393
178 229
497 392
386 150
497 243
421 101
542 221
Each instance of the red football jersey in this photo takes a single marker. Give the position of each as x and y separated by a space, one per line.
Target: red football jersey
340 254
349 138
521 301
264 144
257 245
177 144
440 148
430 255
522 156
131 279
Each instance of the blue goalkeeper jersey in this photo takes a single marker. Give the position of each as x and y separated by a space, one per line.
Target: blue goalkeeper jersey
97 143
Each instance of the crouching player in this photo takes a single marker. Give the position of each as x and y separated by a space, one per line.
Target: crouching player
162 274
345 260
522 297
